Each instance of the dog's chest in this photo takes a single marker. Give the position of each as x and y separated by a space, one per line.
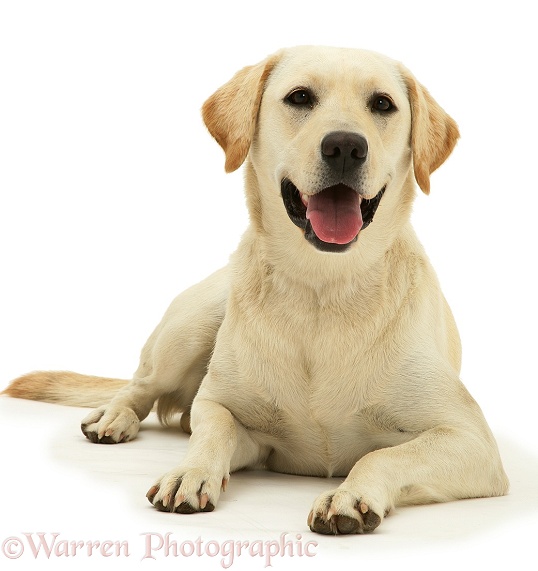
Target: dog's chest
300 385
312 421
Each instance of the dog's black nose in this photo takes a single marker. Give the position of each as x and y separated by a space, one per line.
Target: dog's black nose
344 150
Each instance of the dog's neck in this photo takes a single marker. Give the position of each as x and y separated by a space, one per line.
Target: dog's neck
274 253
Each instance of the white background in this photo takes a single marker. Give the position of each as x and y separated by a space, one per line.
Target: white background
113 199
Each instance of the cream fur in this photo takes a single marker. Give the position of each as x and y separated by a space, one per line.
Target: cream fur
315 363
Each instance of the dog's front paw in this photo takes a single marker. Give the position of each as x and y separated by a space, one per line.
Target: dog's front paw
187 491
342 512
110 425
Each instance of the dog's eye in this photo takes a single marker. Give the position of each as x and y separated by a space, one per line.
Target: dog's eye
300 97
382 103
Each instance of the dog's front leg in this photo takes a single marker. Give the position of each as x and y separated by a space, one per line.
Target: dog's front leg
219 445
441 464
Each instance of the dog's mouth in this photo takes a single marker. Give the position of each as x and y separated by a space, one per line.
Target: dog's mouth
332 218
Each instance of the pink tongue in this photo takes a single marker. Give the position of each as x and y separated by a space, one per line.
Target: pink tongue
335 214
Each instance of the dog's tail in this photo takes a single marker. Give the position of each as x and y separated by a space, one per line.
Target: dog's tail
64 387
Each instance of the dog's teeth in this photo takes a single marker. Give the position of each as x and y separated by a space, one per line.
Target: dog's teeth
305 198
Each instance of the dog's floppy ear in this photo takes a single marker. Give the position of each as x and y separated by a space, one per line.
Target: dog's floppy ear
433 132
230 113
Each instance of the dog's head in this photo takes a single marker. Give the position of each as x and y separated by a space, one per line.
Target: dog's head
334 132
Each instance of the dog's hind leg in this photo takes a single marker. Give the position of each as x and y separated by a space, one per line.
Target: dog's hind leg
172 364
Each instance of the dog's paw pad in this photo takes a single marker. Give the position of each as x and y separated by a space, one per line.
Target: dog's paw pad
346 525
370 520
318 524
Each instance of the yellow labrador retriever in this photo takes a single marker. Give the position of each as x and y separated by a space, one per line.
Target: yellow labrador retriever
326 347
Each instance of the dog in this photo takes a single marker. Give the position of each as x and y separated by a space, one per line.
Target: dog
325 347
